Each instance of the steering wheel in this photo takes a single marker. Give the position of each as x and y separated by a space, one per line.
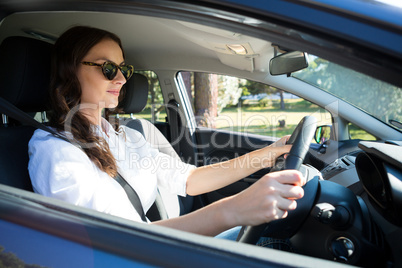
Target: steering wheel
283 228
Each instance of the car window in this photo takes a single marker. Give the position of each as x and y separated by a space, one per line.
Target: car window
234 104
378 99
154 110
356 132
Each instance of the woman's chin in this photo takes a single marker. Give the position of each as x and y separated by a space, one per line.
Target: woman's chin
112 104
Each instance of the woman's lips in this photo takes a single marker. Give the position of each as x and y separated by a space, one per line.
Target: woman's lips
114 92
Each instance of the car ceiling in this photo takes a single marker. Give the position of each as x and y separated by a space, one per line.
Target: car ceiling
153 43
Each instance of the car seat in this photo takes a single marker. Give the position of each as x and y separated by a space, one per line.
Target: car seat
24 82
134 101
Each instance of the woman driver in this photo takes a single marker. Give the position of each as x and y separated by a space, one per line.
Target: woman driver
89 71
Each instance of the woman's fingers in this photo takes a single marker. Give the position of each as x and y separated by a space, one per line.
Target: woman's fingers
282 141
291 177
272 153
285 187
279 209
287 204
290 191
270 198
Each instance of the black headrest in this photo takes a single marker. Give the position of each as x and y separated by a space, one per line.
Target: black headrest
136 95
25 72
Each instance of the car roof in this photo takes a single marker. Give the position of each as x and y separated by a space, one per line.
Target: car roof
374 23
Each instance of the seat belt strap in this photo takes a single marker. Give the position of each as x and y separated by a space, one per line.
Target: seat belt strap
132 196
12 111
157 211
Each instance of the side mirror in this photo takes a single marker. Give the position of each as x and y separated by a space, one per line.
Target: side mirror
322 134
288 63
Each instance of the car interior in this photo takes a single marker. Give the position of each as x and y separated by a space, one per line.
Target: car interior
352 216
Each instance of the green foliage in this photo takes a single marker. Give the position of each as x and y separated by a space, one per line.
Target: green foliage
10 260
265 102
254 88
245 91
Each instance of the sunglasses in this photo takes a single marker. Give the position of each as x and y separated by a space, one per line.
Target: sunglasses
109 69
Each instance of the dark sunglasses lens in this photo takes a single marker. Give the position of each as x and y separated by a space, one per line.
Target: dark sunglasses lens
109 70
127 71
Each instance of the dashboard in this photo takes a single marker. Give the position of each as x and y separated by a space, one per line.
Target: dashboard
380 171
377 168
374 173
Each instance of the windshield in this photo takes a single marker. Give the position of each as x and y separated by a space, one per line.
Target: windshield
373 96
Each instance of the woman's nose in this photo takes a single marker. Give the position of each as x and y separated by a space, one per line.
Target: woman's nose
119 78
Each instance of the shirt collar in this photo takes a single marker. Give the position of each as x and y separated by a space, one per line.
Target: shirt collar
106 129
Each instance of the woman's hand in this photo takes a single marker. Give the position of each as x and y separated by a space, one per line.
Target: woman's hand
273 151
268 199
281 142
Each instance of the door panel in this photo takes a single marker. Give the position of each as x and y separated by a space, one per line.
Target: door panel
218 145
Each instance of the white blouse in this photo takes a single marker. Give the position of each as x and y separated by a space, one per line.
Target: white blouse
61 170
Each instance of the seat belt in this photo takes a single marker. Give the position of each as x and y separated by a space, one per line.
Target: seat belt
132 195
157 211
12 111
